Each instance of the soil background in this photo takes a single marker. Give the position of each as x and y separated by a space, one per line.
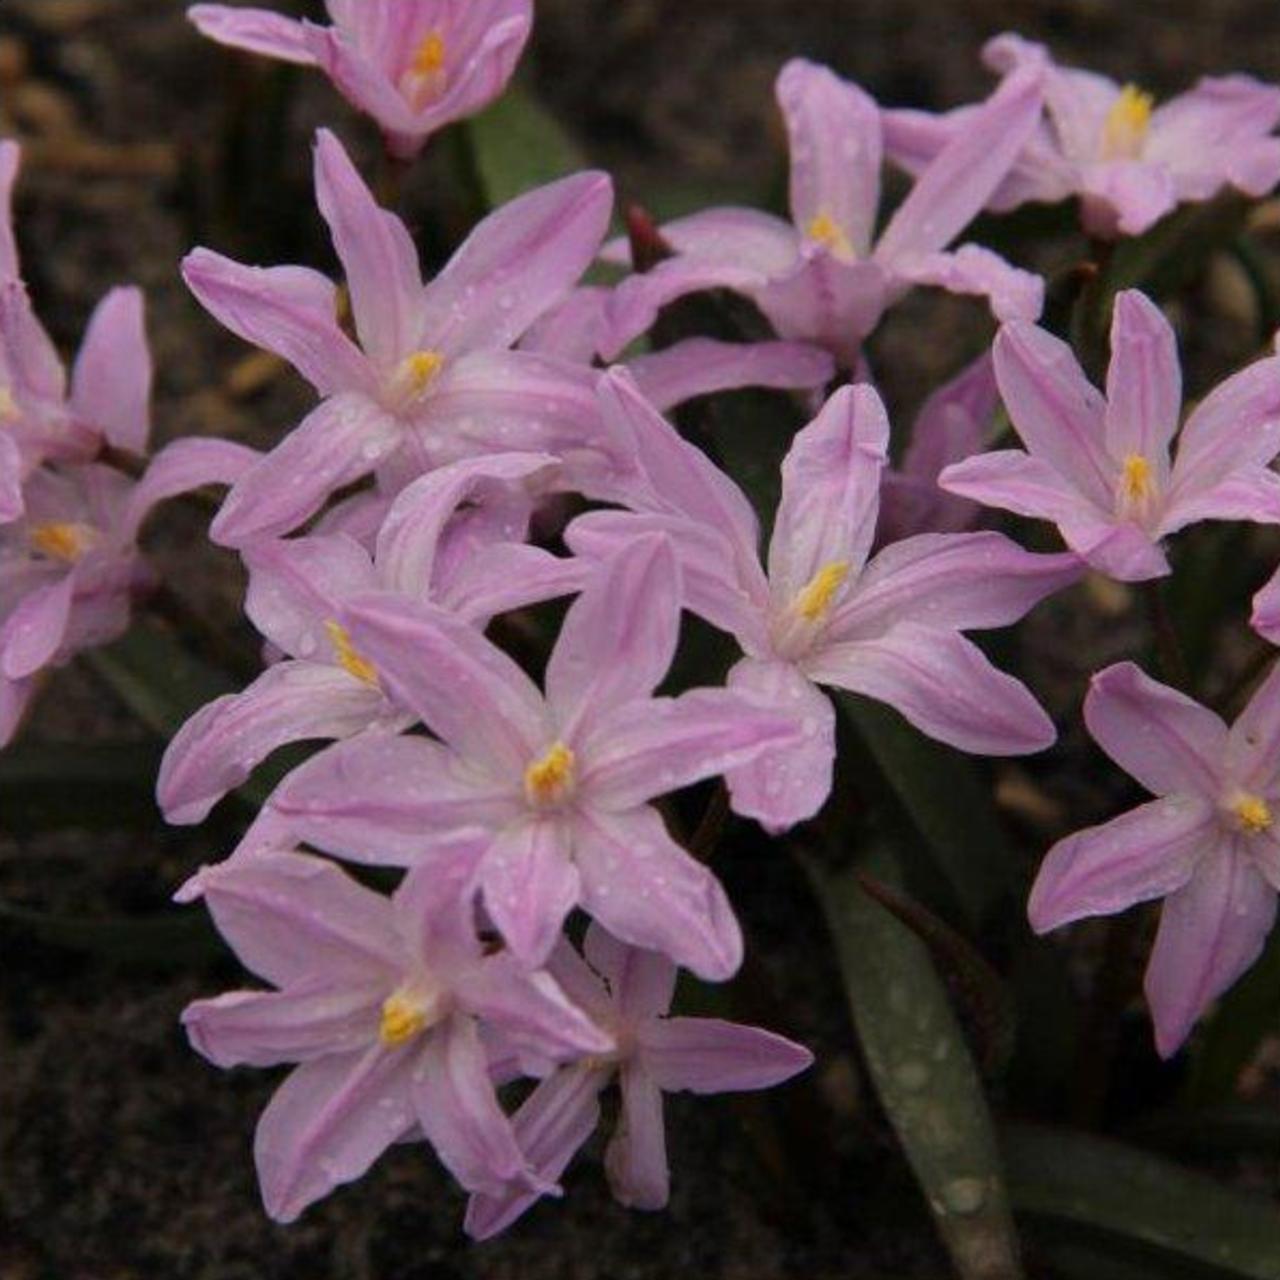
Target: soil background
124 1155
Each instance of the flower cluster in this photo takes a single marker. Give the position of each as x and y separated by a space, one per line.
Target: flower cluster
472 899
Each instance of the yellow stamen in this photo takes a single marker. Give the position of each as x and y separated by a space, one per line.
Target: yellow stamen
1253 814
402 1019
1136 481
550 778
8 406
349 657
1125 128
826 231
814 599
415 374
66 542
429 55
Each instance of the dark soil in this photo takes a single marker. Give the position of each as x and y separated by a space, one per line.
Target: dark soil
122 1154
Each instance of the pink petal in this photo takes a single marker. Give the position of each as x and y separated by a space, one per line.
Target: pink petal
648 892
572 329
789 785
703 366
327 1124
289 310
387 800
1055 410
960 580
830 492
1144 383
11 468
519 262
618 638
1252 493
650 747
1013 294
707 1055
10 158
456 1107
256 30
1210 933
552 1123
111 380
1253 750
833 129
218 748
292 919
508 575
339 441
1145 853
950 192
36 630
642 983
365 85
377 253
1265 619
33 360
470 693
180 467
530 885
265 1028
1125 197
410 535
636 1158
1161 737
943 684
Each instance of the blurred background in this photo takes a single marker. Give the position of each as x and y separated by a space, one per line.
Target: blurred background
121 1153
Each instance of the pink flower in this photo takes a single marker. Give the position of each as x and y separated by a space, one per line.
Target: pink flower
70 566
1129 161
1207 845
629 992
426 549
433 379
822 613
1100 469
560 783
952 424
413 65
820 277
382 1006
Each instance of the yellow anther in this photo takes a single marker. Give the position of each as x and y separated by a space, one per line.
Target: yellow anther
350 659
8 406
67 542
1125 128
814 599
415 374
402 1019
826 231
1253 814
1136 482
429 55
549 779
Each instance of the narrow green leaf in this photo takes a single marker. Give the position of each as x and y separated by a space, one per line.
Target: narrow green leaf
517 144
926 1080
45 786
947 802
1097 1187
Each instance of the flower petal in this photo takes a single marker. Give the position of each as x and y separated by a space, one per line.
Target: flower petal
509 575
642 983
36 630
1253 749
1210 933
1012 294
256 30
327 1124
943 684
1144 383
289 310
111 380
708 1055
789 785
34 365
1252 493
1125 197
530 885
218 748
636 1158
1145 853
180 467
1164 739
10 159
648 892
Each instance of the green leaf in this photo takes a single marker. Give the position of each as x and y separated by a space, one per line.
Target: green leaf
157 679
45 786
171 939
921 1068
946 800
1097 1190
517 144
